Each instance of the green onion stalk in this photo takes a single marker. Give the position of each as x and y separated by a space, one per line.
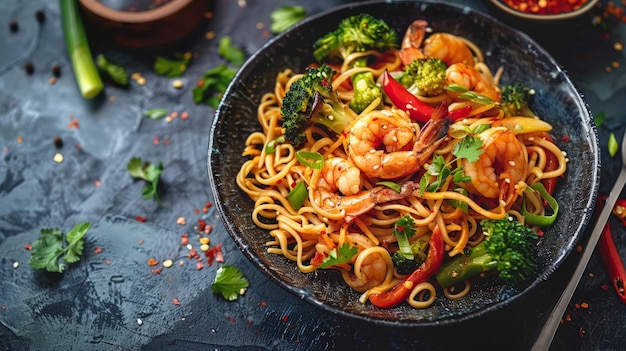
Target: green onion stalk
87 76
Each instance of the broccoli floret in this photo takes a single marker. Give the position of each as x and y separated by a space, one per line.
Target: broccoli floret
406 265
312 99
515 100
410 255
509 247
357 33
425 76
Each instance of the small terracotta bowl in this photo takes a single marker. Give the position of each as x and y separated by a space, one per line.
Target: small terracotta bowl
156 27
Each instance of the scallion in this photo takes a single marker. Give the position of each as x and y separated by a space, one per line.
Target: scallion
297 195
87 76
545 220
612 145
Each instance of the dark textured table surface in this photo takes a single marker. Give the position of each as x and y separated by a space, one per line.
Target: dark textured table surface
112 300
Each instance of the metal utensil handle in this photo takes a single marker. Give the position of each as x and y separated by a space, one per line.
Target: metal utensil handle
552 323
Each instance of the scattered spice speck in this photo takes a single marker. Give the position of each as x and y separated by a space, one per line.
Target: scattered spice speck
584 305
58 157
97 183
177 83
140 242
208 15
181 220
98 250
40 15
52 80
20 139
107 262
16 264
141 219
58 142
139 321
176 302
29 68
13 26
28 246
56 70
152 262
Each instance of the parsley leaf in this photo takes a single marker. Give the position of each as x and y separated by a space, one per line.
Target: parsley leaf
226 50
149 172
469 148
212 85
340 255
285 17
117 73
229 281
172 67
48 252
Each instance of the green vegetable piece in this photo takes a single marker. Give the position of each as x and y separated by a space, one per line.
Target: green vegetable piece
284 17
212 85
156 113
545 220
117 73
271 146
172 67
391 185
49 253
598 118
298 195
87 76
314 160
425 76
229 282
612 145
226 50
516 99
340 255
149 172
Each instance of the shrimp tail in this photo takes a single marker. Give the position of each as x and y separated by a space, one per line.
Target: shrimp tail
358 204
433 133
412 41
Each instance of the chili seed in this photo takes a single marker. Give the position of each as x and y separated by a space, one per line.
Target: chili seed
58 157
168 263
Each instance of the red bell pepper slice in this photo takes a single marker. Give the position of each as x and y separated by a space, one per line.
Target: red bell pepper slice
401 291
611 258
404 100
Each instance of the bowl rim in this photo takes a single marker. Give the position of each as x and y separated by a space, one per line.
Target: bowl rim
242 245
168 9
551 17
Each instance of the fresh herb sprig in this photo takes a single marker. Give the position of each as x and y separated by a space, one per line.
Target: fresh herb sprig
149 172
52 252
229 282
212 85
117 73
469 148
339 255
286 16
174 67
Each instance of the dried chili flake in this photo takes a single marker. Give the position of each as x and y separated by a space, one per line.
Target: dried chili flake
156 140
157 271
140 242
97 183
152 262
199 265
285 318
184 240
181 220
107 262
28 247
201 225
97 250
141 218
215 254
176 302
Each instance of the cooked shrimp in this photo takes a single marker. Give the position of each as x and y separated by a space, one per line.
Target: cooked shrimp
500 169
357 204
339 174
468 77
370 270
382 143
444 46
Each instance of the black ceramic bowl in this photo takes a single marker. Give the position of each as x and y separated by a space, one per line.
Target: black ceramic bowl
556 99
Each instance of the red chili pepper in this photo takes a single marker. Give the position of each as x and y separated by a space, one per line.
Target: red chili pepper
611 258
401 291
403 99
460 112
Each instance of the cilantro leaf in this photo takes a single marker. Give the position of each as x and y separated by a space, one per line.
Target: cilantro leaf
172 67
212 85
117 73
226 50
149 172
155 113
469 148
284 17
340 255
48 252
229 281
